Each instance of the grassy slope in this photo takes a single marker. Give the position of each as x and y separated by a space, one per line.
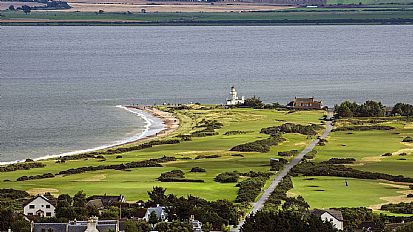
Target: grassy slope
135 183
366 147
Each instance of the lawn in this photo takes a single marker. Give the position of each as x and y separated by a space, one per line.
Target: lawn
367 147
135 183
328 192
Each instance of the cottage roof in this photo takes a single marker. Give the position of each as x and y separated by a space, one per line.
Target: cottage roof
310 99
95 203
158 210
38 227
34 198
107 200
334 213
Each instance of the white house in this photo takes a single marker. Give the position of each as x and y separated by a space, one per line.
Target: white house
159 211
331 215
234 99
39 206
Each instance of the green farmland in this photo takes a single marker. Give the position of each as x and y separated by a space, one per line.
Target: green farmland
393 14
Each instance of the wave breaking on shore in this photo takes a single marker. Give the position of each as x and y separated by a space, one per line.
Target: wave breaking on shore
153 125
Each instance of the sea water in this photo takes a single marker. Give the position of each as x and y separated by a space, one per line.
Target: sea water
60 86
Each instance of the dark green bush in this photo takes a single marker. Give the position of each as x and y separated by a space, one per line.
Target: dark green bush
198 169
288 153
339 161
292 128
408 139
227 177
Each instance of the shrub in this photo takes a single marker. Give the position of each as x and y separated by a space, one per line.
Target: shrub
198 169
322 169
363 128
235 132
410 195
310 155
175 176
292 128
340 161
288 153
405 208
408 139
250 188
118 156
387 154
262 145
207 156
21 166
403 154
227 177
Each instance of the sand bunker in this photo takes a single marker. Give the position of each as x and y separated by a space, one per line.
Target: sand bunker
41 191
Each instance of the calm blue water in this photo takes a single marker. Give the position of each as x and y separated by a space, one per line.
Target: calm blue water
60 85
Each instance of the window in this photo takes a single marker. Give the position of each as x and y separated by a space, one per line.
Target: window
48 214
48 206
31 206
42 206
31 214
43 230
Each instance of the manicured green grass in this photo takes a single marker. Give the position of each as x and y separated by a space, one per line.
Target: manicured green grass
367 147
135 183
327 192
369 2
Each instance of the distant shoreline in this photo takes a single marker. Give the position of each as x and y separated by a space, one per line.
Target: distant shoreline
169 121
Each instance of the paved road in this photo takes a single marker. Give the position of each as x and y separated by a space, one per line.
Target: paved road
264 197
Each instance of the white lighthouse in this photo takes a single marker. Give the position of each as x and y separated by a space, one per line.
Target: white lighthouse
233 98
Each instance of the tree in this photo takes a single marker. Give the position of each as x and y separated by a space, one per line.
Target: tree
139 226
153 218
64 200
253 102
285 221
11 7
207 227
157 196
79 199
26 9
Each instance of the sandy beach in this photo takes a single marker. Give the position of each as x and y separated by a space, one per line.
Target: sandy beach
171 123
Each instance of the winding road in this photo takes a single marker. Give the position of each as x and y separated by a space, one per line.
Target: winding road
264 197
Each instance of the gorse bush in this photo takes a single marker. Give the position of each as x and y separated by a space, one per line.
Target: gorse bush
292 128
288 153
363 128
21 166
175 176
339 161
137 164
262 145
323 169
408 139
227 177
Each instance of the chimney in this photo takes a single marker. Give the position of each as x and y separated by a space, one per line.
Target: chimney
91 225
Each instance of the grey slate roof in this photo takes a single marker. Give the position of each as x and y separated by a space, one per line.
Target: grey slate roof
72 226
55 227
335 213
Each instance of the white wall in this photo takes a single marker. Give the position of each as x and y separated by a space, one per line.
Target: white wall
39 204
336 223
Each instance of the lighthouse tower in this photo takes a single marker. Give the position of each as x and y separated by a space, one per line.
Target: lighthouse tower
233 99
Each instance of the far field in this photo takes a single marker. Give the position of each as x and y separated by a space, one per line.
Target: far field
392 14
